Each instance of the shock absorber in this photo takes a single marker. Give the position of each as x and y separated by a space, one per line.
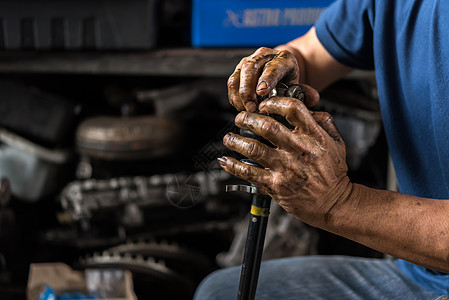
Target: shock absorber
260 205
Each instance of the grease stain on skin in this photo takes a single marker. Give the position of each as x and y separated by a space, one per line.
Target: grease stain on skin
314 156
267 57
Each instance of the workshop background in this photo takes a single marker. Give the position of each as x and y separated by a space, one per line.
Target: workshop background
112 115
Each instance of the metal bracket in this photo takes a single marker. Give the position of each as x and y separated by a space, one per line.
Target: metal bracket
242 188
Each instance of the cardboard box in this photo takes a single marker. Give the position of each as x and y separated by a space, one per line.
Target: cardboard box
61 278
252 23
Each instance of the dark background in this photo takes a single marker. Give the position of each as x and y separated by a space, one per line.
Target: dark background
45 95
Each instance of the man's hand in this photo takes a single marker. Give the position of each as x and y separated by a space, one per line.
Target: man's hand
306 171
258 74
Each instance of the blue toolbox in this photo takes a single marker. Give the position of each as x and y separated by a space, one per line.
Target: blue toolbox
252 23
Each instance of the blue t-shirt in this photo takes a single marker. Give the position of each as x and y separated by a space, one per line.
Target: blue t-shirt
407 43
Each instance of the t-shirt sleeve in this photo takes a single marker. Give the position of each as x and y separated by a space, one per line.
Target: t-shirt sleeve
345 29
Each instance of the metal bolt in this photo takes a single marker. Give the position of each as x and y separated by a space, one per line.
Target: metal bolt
295 91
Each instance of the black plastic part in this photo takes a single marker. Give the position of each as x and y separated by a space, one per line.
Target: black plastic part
70 24
43 118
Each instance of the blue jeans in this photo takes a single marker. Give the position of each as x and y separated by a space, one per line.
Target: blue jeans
319 277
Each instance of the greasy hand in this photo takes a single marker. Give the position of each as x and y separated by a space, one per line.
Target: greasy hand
306 171
258 74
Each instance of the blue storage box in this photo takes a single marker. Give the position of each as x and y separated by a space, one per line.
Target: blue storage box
249 23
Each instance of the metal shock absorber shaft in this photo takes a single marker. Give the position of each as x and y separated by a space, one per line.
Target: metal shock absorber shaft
260 207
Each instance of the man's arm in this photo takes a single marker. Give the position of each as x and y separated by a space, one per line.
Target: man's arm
306 171
412 228
408 227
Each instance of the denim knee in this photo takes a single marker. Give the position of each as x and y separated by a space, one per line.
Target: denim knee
221 284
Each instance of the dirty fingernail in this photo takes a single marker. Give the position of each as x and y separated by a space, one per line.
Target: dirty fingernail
251 106
262 86
222 161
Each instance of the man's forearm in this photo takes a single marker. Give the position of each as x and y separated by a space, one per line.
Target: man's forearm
412 228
